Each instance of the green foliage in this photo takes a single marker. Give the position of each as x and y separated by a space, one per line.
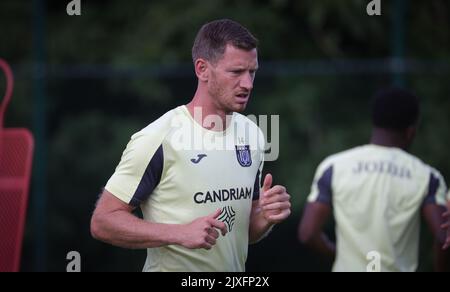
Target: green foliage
143 48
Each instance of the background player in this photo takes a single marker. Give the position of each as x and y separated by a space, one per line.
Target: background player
377 193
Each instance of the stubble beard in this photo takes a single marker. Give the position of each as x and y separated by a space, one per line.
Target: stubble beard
220 99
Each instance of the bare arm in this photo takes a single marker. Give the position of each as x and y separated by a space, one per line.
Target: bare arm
310 229
114 223
259 226
272 208
446 227
433 216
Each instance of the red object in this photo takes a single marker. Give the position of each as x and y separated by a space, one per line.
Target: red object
16 155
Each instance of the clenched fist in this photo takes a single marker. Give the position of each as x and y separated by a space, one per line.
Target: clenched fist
274 202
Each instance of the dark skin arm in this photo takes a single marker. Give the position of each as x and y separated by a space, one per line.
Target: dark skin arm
433 216
446 226
311 233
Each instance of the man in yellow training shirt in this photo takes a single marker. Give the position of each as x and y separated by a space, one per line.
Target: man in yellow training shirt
196 171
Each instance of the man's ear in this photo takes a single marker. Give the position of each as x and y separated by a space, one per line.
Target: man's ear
202 70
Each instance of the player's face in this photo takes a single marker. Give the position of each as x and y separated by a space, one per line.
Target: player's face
231 79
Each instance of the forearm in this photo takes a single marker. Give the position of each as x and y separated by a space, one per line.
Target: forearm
441 258
323 245
125 230
259 227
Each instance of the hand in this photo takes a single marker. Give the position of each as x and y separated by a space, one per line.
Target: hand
446 215
274 202
202 232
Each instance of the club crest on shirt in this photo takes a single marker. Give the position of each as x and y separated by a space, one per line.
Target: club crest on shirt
244 156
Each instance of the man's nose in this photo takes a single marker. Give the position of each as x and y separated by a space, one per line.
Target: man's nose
247 81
